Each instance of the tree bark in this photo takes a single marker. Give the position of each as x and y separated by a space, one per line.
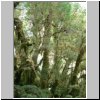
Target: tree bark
78 61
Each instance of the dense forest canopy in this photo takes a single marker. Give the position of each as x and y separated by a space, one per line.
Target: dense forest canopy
49 50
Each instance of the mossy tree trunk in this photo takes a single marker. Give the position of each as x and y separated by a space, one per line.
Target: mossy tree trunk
24 74
73 79
45 49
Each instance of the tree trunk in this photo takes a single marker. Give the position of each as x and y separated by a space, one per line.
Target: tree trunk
78 61
45 49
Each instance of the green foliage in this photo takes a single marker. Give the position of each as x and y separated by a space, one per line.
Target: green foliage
55 31
30 91
74 90
68 96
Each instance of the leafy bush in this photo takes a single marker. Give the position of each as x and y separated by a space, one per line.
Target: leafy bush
30 91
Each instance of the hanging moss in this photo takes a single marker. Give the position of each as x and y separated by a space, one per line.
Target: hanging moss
49 42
